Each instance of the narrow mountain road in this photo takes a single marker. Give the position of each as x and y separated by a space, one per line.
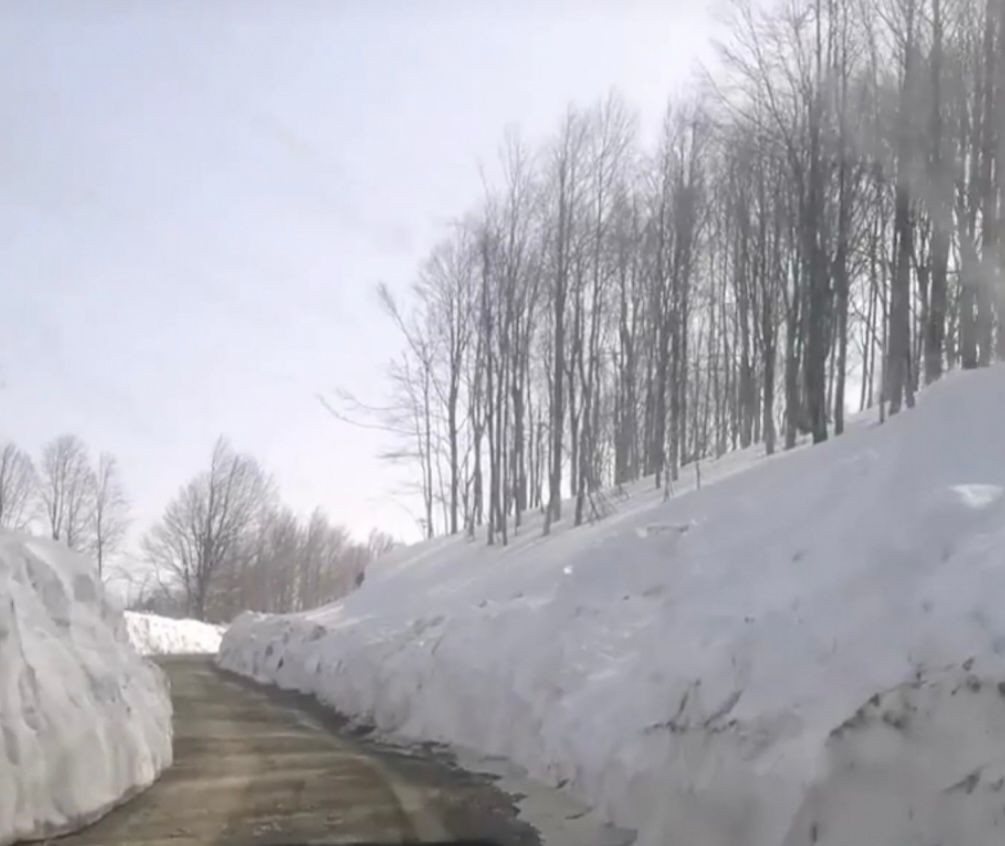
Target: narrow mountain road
257 767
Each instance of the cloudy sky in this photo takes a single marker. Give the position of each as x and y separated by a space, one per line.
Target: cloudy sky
198 200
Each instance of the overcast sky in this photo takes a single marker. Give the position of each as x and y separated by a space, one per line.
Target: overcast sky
198 200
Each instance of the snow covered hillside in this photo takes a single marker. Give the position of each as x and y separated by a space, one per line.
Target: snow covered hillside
84 721
154 635
808 651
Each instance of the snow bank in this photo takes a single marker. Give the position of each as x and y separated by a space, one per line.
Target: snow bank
809 651
84 721
151 634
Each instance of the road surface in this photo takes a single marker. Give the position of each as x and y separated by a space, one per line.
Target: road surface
257 767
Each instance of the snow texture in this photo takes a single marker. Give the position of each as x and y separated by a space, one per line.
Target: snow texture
808 649
151 634
85 722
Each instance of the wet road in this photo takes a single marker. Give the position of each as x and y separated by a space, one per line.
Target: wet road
257 767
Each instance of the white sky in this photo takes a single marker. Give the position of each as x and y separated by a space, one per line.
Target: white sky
198 199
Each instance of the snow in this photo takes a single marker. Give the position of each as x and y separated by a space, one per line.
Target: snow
84 721
808 649
151 634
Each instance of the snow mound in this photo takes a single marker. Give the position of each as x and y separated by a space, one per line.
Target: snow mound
151 634
809 650
84 721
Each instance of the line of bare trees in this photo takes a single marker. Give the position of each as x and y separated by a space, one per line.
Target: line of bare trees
67 496
819 228
226 544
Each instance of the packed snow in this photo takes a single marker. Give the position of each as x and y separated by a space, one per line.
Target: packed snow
810 649
85 722
154 635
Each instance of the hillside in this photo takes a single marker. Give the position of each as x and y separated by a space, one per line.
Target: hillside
805 650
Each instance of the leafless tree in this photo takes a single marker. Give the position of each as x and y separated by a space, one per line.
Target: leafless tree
292 565
828 208
379 543
109 511
205 528
18 484
564 179
66 491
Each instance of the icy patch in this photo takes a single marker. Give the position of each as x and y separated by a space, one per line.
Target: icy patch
84 721
154 635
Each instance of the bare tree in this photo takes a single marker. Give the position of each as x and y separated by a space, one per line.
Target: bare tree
17 488
291 565
940 202
444 293
322 546
66 491
109 513
899 360
206 526
379 543
830 209
565 180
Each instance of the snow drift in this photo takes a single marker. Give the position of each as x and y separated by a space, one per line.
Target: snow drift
151 634
809 651
84 721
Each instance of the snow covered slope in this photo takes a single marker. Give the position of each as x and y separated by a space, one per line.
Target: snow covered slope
808 651
154 635
84 721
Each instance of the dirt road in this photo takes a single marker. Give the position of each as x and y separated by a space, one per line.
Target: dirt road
260 768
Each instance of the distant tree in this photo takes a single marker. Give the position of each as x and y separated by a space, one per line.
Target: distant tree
338 563
109 513
66 491
289 564
379 543
17 487
322 547
147 592
268 577
208 523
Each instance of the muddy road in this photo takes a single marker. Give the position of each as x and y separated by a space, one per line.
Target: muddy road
257 767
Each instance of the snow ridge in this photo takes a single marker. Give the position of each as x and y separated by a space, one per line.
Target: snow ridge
805 651
84 721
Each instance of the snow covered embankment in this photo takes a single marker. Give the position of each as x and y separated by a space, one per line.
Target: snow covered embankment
809 651
84 721
151 634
